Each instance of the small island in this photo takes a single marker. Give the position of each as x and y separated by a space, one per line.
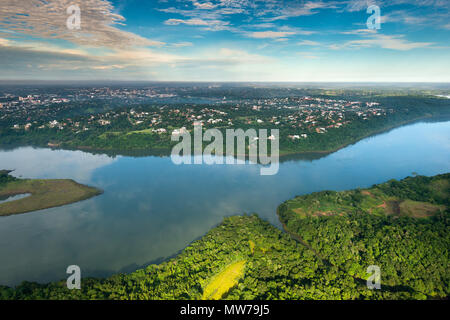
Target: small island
44 193
331 239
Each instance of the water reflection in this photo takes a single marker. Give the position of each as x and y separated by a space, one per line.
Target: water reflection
4 199
152 208
52 164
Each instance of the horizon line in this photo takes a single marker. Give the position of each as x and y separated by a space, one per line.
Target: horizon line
223 81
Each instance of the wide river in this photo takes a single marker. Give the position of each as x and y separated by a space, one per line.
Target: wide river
152 208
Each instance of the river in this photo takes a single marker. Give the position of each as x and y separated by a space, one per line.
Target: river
151 208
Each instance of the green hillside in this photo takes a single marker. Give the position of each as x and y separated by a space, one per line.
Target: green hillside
332 238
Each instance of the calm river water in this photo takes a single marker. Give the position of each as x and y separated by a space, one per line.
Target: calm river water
152 208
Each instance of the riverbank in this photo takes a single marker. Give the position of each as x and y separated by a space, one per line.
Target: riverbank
356 228
245 257
153 201
371 134
283 153
44 194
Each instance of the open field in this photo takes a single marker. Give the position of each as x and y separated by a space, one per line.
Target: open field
418 200
224 281
400 226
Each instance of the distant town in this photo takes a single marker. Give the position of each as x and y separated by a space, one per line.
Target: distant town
302 115
144 117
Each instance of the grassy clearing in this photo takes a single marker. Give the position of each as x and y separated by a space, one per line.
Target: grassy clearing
108 134
145 131
417 209
370 204
420 198
224 281
44 194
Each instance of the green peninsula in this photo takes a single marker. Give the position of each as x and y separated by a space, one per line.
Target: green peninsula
44 194
401 226
331 239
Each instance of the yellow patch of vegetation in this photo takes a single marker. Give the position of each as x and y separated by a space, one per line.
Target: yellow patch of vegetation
44 194
145 131
252 246
299 211
111 133
221 283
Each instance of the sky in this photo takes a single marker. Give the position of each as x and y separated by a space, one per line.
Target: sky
225 40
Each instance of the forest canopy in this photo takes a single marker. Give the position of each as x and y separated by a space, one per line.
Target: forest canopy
331 239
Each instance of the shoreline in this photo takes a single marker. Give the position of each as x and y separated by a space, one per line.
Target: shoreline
374 133
165 152
44 194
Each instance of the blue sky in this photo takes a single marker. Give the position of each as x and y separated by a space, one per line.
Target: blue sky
226 40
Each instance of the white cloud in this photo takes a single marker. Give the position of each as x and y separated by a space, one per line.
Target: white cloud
182 44
107 67
235 57
204 5
270 34
404 17
308 55
359 5
295 9
47 19
190 22
4 42
43 56
214 16
142 57
308 43
33 58
360 31
393 42
214 25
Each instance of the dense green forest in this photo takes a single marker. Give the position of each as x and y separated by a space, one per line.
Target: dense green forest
406 108
123 135
401 226
5 177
